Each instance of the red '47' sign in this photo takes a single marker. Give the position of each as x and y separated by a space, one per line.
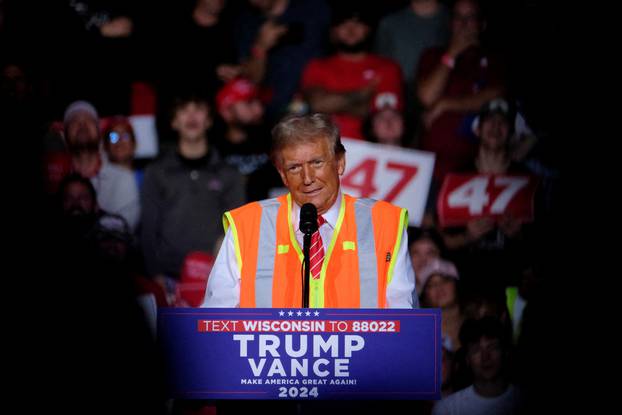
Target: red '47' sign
468 196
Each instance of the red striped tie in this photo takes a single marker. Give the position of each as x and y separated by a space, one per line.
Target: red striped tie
316 252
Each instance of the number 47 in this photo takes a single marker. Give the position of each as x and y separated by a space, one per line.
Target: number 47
361 178
473 195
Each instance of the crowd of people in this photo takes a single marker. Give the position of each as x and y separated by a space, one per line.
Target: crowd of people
420 74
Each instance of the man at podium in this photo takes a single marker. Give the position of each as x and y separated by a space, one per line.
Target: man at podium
358 257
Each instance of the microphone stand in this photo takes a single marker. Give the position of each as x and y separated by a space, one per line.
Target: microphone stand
308 225
307 270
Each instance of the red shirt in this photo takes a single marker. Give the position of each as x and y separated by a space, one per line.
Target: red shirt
338 74
450 135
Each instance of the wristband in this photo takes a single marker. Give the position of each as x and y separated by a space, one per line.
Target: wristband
448 61
258 52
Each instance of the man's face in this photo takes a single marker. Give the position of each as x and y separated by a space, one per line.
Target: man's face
485 359
112 248
248 112
494 131
120 144
350 33
263 5
82 131
388 127
192 121
422 252
465 21
440 291
214 6
77 200
311 173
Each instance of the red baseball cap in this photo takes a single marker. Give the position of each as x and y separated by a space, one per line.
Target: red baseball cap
236 90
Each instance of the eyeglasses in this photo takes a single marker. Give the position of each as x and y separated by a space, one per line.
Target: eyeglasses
114 137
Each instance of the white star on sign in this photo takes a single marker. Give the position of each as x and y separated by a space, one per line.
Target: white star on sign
281 313
290 313
299 313
308 313
317 313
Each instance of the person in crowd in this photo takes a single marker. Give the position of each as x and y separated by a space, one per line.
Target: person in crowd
406 33
387 125
114 243
452 84
489 250
116 187
487 353
245 141
120 145
439 281
93 30
185 193
425 246
275 40
78 208
193 31
350 82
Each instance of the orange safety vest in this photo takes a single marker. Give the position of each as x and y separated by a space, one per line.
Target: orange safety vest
358 264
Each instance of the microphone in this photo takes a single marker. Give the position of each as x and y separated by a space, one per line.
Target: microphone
307 225
308 219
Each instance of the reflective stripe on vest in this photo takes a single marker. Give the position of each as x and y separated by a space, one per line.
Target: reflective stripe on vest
368 267
510 294
267 251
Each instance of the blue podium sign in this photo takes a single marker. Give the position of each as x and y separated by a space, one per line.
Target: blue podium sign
303 354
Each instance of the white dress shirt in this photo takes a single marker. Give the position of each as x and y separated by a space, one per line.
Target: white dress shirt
223 286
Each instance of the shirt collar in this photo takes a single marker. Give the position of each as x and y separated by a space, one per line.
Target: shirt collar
331 215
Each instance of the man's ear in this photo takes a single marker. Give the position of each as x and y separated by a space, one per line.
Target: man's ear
279 168
341 163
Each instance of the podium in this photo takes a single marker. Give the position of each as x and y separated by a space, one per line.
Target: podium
301 354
